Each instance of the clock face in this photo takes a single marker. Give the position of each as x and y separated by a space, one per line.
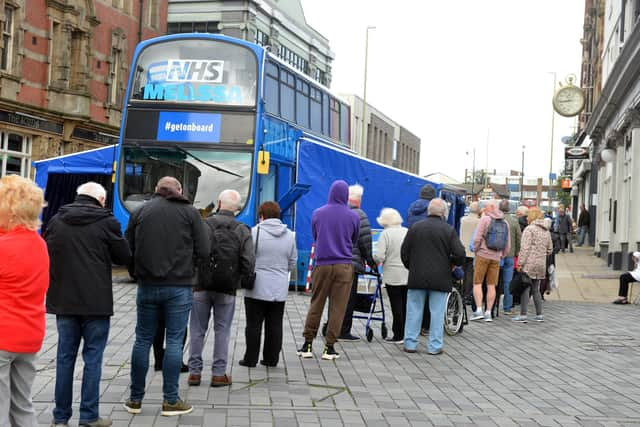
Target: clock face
568 101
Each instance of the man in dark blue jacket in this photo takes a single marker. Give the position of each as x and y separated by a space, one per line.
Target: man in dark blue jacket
418 208
167 239
429 250
83 240
335 230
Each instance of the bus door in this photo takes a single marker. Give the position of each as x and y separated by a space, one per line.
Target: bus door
278 185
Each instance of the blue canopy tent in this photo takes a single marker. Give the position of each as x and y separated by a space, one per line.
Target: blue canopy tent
59 177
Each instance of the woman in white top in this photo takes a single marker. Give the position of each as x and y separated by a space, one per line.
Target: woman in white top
394 274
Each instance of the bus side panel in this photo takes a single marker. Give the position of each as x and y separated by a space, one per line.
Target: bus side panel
319 166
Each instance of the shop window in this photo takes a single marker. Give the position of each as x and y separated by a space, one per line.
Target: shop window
7 38
15 154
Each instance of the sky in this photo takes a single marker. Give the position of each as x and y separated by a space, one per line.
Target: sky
461 74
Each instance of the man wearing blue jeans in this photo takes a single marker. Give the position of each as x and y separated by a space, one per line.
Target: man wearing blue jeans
83 240
428 251
506 270
167 239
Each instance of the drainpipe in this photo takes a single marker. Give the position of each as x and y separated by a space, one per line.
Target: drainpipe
140 21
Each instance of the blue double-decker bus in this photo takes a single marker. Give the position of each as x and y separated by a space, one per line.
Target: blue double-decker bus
218 113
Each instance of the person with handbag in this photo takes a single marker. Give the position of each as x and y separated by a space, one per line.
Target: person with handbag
230 266
535 246
276 255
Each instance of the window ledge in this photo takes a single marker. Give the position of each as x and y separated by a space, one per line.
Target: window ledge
76 92
8 75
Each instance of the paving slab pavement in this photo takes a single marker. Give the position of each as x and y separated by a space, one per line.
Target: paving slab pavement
579 367
584 277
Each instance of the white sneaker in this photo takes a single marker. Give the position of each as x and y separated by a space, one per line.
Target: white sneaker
477 315
487 316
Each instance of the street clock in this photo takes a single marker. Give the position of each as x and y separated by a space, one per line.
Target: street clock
568 101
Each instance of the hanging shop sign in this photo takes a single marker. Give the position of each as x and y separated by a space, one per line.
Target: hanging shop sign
576 153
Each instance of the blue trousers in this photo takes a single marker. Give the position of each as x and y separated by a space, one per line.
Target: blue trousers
413 322
94 331
507 274
174 304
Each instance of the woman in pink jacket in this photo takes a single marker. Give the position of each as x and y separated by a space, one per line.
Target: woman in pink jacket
534 247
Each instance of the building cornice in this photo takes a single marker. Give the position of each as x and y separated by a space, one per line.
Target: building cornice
624 74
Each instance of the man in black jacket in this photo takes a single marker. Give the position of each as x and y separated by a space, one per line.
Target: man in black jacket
584 220
167 239
362 255
83 239
429 250
234 245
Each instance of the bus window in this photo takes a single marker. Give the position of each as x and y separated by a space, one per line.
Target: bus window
287 95
344 124
196 71
203 173
302 103
316 110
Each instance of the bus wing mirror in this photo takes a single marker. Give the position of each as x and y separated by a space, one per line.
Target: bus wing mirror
263 162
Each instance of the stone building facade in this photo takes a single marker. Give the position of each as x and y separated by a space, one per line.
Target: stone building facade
386 141
608 181
278 24
64 66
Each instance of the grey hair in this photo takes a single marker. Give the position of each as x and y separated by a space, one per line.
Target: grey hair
356 191
389 216
170 183
437 207
474 207
230 200
504 205
522 210
92 189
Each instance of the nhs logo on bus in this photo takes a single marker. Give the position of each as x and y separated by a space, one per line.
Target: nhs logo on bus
194 70
189 80
188 127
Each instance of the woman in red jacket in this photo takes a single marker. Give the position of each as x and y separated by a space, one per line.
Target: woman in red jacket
24 279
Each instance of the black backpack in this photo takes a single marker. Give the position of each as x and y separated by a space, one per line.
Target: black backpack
221 270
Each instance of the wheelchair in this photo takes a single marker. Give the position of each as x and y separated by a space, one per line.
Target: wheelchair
455 316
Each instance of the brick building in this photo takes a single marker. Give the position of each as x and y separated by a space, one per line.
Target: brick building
64 66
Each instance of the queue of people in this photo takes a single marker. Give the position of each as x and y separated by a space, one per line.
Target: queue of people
188 269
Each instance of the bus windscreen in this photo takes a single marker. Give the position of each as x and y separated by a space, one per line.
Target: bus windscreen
196 71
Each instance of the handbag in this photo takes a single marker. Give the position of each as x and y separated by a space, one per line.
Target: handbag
250 280
519 282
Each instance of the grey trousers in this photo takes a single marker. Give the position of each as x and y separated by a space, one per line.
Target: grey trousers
17 373
537 298
223 306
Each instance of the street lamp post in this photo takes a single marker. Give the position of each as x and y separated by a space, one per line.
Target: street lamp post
553 116
363 142
522 178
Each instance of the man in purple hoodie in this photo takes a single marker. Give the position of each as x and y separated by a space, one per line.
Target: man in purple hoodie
335 229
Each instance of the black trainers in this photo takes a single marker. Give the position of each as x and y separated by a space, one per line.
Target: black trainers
178 408
305 351
132 406
329 353
348 337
